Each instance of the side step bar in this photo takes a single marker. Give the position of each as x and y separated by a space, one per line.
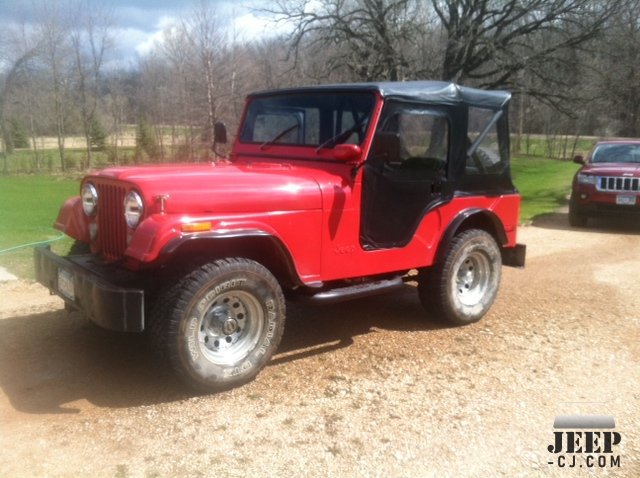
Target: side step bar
358 291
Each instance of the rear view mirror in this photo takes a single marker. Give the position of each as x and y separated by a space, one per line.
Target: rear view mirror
578 159
347 152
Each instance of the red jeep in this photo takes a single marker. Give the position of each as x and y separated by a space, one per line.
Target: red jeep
330 193
608 182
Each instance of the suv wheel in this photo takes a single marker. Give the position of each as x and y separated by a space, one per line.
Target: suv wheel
220 324
576 218
462 286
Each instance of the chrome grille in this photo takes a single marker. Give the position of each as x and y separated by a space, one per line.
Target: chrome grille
112 229
618 184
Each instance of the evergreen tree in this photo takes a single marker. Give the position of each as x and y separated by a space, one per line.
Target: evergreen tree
19 134
97 135
146 141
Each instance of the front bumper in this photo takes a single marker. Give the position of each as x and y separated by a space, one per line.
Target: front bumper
608 209
91 290
591 202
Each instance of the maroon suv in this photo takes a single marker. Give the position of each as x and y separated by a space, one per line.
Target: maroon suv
608 182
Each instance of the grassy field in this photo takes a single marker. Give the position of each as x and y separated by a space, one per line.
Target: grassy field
543 183
29 205
24 161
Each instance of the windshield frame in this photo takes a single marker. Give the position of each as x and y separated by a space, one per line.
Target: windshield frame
331 108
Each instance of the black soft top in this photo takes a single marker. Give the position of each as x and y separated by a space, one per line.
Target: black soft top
441 92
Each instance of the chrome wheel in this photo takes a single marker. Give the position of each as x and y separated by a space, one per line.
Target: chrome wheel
461 287
472 278
230 327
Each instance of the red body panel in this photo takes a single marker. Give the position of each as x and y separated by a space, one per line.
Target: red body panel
72 220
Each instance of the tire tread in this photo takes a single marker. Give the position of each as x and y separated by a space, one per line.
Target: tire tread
171 304
433 281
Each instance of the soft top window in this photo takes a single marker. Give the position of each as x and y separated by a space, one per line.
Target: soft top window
484 155
308 119
423 135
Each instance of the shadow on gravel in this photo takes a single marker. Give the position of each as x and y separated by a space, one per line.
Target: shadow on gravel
602 225
50 360
314 330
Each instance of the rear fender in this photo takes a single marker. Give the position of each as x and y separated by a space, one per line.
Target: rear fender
473 219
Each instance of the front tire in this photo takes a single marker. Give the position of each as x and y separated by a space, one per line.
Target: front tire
220 324
576 217
461 288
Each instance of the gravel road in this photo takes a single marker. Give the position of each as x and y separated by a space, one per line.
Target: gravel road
367 388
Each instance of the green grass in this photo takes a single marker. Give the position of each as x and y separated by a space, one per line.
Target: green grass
28 207
543 183
48 161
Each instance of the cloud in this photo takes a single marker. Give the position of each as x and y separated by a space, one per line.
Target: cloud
250 26
144 19
139 25
155 37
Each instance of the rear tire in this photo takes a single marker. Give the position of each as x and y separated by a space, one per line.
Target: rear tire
220 324
461 288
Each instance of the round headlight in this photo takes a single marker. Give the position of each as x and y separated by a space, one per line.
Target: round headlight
89 195
133 209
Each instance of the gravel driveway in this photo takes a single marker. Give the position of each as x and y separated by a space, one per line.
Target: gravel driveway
367 388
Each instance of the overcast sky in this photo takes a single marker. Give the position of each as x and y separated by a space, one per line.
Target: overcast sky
139 23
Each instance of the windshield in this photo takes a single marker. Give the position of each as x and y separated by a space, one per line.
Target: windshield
616 153
319 120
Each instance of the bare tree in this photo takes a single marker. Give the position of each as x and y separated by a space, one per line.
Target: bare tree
174 62
489 42
203 32
618 68
17 50
55 54
368 38
91 38
117 105
5 89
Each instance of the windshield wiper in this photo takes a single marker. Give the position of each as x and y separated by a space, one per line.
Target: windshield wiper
279 135
344 134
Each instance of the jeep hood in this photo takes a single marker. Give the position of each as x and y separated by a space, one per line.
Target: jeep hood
220 188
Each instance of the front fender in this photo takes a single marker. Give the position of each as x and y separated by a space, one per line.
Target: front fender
160 234
72 221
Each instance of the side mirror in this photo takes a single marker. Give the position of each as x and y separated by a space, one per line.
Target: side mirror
219 133
387 145
347 152
578 159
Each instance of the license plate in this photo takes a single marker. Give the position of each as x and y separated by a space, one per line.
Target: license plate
65 284
625 200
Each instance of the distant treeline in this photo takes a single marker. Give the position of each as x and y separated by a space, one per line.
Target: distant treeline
571 65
